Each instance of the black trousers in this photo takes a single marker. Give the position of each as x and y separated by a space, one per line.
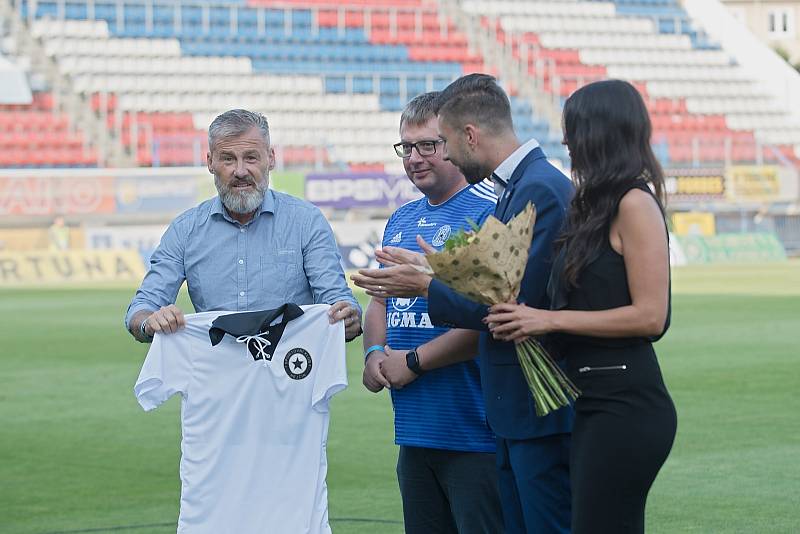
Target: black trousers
625 424
449 492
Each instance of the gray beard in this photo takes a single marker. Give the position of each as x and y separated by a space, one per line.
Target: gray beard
240 202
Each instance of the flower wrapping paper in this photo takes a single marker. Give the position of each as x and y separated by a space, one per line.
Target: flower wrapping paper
490 269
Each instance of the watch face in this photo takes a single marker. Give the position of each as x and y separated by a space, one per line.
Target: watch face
412 361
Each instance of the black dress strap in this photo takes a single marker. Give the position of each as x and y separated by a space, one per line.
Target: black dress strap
641 184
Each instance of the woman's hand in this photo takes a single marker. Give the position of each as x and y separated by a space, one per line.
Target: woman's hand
515 322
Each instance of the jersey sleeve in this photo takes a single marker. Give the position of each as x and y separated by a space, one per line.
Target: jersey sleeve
166 370
331 377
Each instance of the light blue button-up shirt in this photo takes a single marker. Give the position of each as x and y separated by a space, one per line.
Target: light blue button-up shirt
286 253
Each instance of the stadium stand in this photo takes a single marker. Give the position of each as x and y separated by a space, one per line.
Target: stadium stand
32 132
135 83
35 135
705 109
332 75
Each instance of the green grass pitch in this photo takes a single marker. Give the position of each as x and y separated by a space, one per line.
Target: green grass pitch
78 455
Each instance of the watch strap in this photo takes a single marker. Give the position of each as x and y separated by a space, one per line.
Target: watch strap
412 361
142 329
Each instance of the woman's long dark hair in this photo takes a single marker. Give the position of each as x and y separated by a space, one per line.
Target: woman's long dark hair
607 131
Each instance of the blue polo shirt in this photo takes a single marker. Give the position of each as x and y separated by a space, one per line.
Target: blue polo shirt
442 409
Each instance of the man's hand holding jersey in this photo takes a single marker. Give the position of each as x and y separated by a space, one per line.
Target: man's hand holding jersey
345 311
166 320
169 319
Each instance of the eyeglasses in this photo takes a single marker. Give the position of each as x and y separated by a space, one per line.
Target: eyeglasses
424 148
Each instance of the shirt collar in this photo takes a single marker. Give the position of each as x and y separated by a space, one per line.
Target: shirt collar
506 169
267 206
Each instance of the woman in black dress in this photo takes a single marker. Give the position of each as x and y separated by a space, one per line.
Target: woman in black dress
610 299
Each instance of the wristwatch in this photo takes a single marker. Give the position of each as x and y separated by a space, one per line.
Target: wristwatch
412 361
143 331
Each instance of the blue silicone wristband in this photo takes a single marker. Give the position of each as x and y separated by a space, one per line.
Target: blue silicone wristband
372 348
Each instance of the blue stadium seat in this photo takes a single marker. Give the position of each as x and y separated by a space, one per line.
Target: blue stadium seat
527 127
669 17
284 42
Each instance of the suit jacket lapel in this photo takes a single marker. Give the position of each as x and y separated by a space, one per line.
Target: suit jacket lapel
505 199
502 202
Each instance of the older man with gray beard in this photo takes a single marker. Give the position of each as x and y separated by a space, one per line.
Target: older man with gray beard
248 249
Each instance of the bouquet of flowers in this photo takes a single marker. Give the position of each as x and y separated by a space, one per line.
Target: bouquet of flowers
487 265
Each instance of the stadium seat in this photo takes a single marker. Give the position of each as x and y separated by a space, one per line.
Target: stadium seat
147 63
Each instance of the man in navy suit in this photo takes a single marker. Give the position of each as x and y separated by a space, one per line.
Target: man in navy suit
475 122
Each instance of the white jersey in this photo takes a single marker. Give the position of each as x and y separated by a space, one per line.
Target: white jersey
254 416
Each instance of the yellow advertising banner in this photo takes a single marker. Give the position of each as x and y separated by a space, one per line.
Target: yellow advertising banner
755 183
69 267
23 239
691 184
693 223
700 185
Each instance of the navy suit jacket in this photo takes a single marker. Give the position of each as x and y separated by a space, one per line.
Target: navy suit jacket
509 404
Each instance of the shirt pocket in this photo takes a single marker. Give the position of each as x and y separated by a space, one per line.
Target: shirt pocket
279 272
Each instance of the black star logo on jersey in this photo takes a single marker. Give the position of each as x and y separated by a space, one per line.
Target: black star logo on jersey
297 363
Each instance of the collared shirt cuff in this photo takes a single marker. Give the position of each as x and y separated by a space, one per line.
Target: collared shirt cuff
133 310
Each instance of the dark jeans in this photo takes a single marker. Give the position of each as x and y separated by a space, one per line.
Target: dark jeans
449 492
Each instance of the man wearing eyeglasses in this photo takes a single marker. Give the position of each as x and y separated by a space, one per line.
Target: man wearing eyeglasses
446 464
